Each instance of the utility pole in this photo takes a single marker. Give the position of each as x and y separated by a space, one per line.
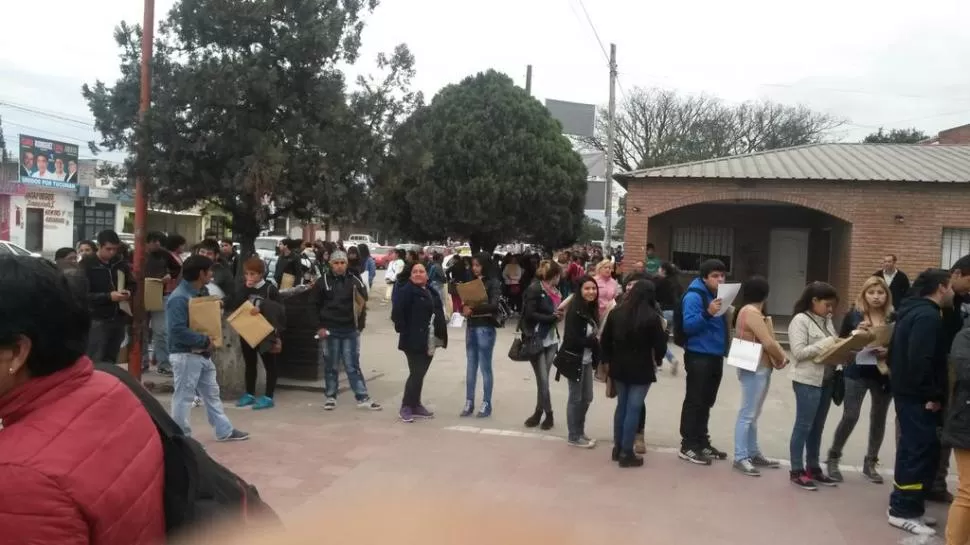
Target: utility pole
141 200
610 137
528 79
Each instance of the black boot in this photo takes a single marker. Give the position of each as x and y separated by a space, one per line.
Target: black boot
533 420
547 422
616 454
630 459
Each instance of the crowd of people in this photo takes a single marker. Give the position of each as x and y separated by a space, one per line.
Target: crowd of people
578 319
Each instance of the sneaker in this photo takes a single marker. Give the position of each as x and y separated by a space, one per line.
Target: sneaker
581 442
694 457
590 439
407 416
832 468
822 478
264 403
674 367
713 453
802 480
485 411
761 461
639 444
422 412
370 405
914 526
745 467
236 435
244 401
197 402
468 410
330 404
870 473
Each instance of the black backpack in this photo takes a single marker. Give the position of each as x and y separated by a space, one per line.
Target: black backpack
680 337
199 492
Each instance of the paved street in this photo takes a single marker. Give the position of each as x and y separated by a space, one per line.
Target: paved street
302 456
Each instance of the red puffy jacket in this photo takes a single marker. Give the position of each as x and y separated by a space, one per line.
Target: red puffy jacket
80 463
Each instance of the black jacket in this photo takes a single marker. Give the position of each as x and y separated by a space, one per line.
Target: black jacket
633 360
899 289
853 371
222 276
576 338
333 297
484 315
412 313
917 352
102 279
76 281
160 263
537 311
288 264
956 431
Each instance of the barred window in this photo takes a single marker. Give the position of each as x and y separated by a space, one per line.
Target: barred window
690 246
956 244
218 224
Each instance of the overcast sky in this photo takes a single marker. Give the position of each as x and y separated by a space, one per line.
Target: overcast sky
889 63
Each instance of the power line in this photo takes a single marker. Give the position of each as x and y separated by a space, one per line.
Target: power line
592 26
45 131
48 114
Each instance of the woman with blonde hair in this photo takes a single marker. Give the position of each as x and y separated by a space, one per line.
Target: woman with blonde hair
872 308
609 288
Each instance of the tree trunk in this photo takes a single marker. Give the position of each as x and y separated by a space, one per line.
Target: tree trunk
245 228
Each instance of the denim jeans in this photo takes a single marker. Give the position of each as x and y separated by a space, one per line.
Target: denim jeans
342 344
629 400
196 373
811 408
669 318
754 390
159 339
479 344
105 339
580 397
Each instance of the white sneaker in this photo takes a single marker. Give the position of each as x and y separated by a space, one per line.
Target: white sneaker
330 404
916 526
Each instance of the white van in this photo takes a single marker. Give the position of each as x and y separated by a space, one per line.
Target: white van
360 239
266 246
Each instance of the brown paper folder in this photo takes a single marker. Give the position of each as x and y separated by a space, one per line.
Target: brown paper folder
839 352
125 306
253 328
287 282
472 293
205 317
154 288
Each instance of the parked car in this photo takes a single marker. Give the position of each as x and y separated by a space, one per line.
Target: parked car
383 256
410 247
9 248
360 239
266 246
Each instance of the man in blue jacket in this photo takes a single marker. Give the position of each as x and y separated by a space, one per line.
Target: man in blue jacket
190 353
706 336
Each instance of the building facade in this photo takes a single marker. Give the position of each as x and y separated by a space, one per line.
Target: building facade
828 212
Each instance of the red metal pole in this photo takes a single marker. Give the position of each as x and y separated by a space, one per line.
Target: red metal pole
141 201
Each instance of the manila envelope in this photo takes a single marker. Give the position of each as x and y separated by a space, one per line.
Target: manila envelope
205 317
153 294
252 328
839 352
472 293
125 306
287 282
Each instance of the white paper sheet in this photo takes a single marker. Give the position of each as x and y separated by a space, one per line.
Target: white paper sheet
866 356
457 320
727 293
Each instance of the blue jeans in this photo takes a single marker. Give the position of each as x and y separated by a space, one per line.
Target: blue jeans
811 408
196 373
159 339
669 317
754 390
342 344
629 400
479 343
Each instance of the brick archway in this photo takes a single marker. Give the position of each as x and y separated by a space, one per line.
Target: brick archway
747 195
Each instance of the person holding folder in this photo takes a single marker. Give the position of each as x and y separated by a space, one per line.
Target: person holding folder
264 297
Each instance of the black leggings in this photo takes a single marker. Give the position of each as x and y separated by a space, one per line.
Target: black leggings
418 364
269 363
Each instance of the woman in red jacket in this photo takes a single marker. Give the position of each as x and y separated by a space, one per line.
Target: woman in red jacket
80 459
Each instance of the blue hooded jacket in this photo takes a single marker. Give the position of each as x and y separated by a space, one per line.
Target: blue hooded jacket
706 334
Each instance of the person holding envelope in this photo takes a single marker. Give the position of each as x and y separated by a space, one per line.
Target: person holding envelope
261 294
480 338
191 355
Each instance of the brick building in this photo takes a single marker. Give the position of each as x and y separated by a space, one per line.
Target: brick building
820 212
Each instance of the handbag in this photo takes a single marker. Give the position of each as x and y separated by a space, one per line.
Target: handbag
838 387
569 364
524 346
744 354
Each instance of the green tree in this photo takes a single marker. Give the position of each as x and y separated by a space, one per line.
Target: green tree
896 136
484 162
591 230
249 112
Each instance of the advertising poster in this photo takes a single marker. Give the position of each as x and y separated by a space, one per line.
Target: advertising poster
48 163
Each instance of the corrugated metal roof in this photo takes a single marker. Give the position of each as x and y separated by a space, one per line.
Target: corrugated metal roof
829 162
